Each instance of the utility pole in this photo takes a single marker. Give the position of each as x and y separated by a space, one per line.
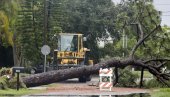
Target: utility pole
126 39
123 43
45 20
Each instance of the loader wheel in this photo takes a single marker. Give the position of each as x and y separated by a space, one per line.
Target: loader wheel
82 79
88 78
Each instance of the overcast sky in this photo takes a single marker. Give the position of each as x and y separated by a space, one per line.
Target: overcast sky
160 5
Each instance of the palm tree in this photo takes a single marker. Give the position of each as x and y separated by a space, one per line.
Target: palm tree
8 13
5 35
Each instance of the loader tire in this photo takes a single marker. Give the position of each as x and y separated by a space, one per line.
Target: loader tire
88 78
82 79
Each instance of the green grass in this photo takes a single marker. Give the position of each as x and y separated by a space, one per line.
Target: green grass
12 92
162 92
146 74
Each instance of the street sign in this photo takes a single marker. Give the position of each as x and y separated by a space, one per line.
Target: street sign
45 50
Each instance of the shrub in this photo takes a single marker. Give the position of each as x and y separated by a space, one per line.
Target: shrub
153 83
13 83
3 83
127 78
6 82
5 71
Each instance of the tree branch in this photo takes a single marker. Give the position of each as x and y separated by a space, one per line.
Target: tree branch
142 39
159 59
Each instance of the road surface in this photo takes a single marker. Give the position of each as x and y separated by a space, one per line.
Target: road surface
73 87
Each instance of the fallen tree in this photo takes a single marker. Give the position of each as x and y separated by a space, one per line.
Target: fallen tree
60 75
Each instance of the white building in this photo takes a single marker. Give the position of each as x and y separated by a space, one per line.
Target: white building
105 40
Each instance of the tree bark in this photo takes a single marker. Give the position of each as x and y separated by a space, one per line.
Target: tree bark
116 76
60 75
14 51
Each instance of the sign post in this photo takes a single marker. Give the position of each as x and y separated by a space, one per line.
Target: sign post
45 51
17 71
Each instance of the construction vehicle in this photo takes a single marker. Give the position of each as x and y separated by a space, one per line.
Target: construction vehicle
71 53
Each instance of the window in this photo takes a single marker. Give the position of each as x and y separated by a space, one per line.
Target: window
68 43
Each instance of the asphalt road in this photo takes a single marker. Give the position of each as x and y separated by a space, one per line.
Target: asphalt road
72 88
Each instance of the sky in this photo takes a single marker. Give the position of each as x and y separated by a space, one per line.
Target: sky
163 6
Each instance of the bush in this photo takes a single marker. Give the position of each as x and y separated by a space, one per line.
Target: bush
127 78
9 82
3 83
13 83
153 83
5 71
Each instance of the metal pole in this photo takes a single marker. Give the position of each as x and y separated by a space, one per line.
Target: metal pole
126 41
123 39
45 28
17 81
45 64
123 43
45 20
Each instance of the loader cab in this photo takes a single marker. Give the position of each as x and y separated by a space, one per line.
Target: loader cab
70 42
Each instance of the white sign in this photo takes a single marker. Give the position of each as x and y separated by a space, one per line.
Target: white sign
18 71
45 50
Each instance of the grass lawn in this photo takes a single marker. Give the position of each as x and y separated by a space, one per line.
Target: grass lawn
12 92
162 92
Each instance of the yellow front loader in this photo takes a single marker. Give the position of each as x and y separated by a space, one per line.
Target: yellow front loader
71 53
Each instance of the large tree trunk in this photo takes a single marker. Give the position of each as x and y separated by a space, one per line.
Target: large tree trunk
60 75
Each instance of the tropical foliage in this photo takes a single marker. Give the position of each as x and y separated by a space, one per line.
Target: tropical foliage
8 12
